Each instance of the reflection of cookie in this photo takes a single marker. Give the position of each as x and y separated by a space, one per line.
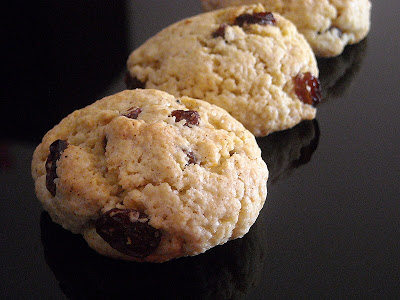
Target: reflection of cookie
286 150
337 73
224 272
148 177
252 63
327 25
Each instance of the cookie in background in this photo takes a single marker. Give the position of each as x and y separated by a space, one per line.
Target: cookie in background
252 63
327 25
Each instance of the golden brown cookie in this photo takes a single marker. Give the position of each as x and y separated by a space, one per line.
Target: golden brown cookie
146 176
328 25
252 63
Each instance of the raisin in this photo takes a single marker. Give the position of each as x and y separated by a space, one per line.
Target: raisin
220 31
133 112
129 232
263 18
307 88
132 82
192 159
192 117
56 149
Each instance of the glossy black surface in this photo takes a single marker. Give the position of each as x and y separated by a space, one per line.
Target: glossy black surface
330 227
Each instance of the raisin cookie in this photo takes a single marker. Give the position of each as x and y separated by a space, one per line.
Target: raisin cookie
144 176
252 63
328 25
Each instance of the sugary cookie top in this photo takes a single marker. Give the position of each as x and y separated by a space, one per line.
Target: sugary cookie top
184 171
243 59
328 25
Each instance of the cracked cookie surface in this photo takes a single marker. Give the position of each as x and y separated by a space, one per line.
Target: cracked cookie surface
145 176
328 25
243 59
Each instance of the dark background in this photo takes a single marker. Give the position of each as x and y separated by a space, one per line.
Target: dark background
330 227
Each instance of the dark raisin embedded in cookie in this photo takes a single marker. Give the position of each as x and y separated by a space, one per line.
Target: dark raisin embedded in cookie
192 159
56 149
192 117
132 82
263 18
129 232
220 32
307 88
133 112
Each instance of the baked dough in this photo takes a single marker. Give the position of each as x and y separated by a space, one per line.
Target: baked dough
146 176
242 59
328 25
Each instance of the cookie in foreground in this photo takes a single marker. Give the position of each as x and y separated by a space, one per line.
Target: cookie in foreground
145 176
251 62
329 26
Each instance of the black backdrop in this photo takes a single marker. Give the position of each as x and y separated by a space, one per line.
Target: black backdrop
330 227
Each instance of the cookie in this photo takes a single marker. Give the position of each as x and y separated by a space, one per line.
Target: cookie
327 25
252 63
145 176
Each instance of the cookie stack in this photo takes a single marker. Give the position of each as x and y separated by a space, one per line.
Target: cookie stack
171 167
